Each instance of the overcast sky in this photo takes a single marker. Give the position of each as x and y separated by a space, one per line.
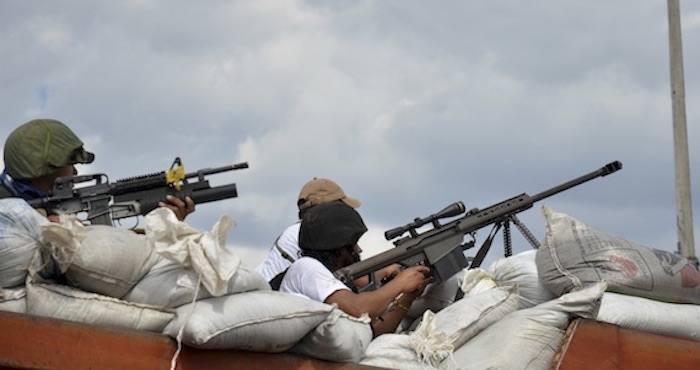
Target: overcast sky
408 105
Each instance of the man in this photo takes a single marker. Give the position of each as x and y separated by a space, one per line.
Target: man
39 151
285 250
328 239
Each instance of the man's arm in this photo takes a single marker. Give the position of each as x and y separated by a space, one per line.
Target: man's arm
409 283
387 272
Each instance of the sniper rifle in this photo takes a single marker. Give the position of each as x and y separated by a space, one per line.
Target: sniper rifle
104 201
442 247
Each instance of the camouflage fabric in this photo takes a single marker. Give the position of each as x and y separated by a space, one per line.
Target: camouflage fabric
42 146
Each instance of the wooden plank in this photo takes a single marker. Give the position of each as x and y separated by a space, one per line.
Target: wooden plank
31 342
642 351
36 342
594 345
589 346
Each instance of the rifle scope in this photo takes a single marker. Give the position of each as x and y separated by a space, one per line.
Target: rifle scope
453 209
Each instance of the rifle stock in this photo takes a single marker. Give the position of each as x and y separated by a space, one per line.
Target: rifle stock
105 202
442 247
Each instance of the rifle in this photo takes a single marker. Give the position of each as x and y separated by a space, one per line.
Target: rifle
134 196
442 247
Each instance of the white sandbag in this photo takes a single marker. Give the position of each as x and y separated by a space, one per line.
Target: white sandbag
471 282
528 338
68 303
20 239
575 255
204 252
423 349
98 258
434 298
637 313
13 299
521 270
339 338
476 281
484 303
465 318
169 284
263 321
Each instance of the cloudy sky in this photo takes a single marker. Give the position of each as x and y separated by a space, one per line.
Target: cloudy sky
409 105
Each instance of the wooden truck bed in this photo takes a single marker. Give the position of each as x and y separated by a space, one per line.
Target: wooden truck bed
31 342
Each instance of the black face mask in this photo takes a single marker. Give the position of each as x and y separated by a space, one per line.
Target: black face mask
330 226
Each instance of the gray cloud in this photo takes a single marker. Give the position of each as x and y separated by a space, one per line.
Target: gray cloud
408 107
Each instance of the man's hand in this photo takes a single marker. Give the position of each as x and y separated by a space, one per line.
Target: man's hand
414 279
181 209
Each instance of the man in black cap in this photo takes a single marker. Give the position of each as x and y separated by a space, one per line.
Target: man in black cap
39 151
328 240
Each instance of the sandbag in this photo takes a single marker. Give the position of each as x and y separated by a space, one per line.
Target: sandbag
422 349
13 299
205 252
575 255
169 284
263 321
339 338
438 334
465 318
20 241
521 270
637 313
527 339
98 258
68 303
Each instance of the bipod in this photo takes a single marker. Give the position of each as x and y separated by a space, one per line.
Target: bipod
507 239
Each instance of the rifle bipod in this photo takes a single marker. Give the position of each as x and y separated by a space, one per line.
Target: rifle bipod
476 261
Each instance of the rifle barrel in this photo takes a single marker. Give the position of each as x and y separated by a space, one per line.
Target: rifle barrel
603 171
211 171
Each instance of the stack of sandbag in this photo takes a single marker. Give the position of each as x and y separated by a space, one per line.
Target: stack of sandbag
439 334
101 266
485 329
97 266
20 252
528 338
648 289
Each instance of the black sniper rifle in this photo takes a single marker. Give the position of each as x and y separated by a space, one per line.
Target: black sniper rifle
134 196
441 248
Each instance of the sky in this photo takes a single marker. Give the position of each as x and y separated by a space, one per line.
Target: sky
408 105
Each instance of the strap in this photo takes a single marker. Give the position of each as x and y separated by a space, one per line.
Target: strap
283 252
277 280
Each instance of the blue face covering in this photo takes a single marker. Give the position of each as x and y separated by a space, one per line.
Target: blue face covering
21 188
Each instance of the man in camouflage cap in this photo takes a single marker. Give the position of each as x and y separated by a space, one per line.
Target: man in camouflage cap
36 153
41 150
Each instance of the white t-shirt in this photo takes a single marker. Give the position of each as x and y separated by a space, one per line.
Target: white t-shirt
309 277
274 263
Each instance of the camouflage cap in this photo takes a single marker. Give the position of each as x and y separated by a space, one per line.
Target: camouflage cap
42 146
